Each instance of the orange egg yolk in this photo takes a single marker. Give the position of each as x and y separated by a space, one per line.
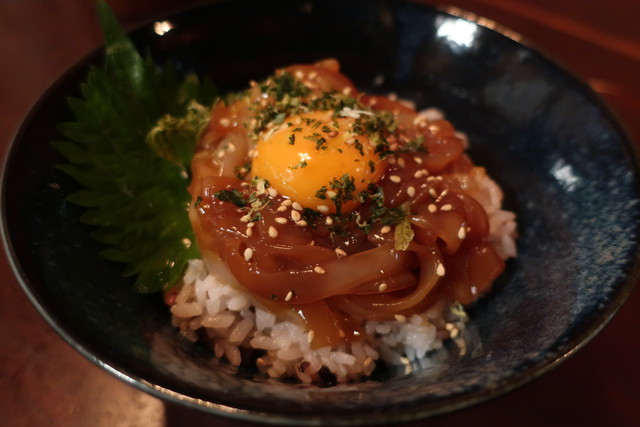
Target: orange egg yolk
309 152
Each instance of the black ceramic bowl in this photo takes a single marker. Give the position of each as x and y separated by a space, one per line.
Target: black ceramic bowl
567 170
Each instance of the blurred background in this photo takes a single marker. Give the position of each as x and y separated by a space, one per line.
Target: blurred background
44 382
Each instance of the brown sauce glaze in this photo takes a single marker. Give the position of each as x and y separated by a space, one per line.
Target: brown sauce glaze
334 271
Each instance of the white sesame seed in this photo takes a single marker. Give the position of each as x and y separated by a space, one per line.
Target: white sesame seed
401 162
462 233
245 218
273 233
319 269
287 202
446 207
418 160
310 336
433 193
432 208
391 160
444 193
418 174
225 122
297 206
346 91
385 229
301 223
440 270
411 191
400 318
350 141
331 194
248 232
251 225
280 220
382 287
289 296
281 208
395 179
272 192
323 208
248 254
295 216
340 252
328 220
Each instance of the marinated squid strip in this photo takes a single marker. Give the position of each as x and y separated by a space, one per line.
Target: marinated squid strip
315 282
385 304
329 327
471 273
323 76
225 139
390 284
441 227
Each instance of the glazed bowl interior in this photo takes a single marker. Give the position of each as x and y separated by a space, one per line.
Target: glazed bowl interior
566 168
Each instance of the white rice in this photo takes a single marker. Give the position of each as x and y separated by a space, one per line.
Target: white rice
232 320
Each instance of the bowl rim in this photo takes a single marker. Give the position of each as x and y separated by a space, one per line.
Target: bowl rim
562 351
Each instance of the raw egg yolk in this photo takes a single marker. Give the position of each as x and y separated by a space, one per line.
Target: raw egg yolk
309 152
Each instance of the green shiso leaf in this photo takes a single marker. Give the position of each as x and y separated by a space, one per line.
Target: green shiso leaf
136 126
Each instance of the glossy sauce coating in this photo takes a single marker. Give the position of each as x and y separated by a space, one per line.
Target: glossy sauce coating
406 234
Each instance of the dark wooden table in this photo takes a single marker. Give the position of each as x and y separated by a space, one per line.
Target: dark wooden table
44 382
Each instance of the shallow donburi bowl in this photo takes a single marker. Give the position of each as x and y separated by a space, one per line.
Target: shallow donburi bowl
567 170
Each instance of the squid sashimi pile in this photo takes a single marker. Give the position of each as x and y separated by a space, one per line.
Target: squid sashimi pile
334 219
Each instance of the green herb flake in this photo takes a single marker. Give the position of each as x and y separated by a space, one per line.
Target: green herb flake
322 193
358 145
241 172
403 233
302 164
279 119
232 196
